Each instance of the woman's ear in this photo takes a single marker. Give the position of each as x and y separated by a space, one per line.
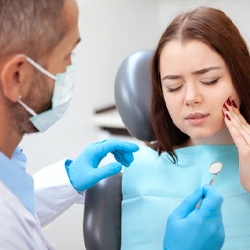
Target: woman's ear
16 76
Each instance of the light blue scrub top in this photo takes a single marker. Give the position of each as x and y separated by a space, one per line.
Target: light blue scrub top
153 187
13 175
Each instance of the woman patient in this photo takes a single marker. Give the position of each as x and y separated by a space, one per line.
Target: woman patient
200 115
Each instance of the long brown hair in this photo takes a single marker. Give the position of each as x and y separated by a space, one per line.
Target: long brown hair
214 28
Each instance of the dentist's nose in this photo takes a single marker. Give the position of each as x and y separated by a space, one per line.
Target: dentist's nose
192 95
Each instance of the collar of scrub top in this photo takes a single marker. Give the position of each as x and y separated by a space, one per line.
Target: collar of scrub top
19 158
13 175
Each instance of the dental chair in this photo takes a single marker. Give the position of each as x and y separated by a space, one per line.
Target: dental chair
102 213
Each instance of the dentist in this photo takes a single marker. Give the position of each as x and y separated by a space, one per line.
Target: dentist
36 83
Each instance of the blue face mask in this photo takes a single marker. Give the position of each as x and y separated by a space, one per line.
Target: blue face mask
62 95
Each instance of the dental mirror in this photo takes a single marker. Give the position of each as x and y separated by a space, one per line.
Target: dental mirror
215 168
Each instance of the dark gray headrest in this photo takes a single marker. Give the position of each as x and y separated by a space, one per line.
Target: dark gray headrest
133 94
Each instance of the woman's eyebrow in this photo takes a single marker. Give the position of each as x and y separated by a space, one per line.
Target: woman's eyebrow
205 70
171 77
197 72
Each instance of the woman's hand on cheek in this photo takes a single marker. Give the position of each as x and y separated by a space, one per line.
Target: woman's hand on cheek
240 132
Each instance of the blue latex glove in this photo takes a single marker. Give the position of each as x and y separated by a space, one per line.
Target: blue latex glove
191 228
84 172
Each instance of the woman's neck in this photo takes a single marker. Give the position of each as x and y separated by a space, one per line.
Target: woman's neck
221 138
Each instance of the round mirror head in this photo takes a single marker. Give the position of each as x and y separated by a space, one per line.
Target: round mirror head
215 167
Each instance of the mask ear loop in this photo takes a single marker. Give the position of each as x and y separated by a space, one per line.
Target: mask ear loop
28 109
38 66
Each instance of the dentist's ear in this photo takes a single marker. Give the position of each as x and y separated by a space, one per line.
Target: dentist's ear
16 77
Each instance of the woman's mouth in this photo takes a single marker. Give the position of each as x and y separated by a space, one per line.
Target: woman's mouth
196 119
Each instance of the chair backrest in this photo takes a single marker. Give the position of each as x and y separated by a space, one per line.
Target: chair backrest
102 213
133 94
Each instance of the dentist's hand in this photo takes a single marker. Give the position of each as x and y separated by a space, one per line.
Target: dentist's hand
191 228
84 173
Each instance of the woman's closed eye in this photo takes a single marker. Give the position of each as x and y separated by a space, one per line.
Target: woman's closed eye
210 82
179 86
173 89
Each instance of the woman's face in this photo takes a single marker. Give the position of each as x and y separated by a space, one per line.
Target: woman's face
196 83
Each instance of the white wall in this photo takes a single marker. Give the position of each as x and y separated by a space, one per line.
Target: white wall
238 11
110 30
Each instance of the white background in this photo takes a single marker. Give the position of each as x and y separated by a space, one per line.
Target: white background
110 31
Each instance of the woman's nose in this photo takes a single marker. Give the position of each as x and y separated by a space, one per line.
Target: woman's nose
192 94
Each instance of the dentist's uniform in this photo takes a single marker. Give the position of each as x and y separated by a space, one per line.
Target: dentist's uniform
53 191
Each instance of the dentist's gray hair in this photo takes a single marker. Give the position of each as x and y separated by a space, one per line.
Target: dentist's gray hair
32 27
